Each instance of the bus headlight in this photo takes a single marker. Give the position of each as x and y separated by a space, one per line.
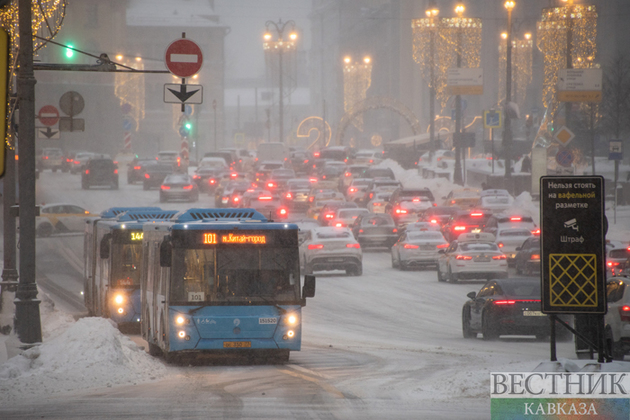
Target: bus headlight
121 310
291 319
182 334
119 299
290 334
180 320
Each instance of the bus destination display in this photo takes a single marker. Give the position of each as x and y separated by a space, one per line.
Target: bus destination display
231 238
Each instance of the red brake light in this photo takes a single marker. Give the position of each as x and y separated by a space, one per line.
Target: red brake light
236 199
535 257
212 181
500 244
45 157
306 161
289 195
434 204
394 230
442 246
371 160
415 199
476 214
411 246
463 257
234 175
316 154
316 246
624 313
137 168
311 199
401 211
264 197
115 171
87 171
196 177
360 230
499 257
165 187
357 246
515 219
329 215
536 232
504 302
377 204
348 174
282 212
453 201
338 224
271 185
312 179
459 228
353 189
434 221
147 176
612 264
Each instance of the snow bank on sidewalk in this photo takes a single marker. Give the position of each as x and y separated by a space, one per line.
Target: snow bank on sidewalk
90 353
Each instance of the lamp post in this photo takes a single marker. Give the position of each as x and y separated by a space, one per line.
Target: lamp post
507 128
457 175
432 12
357 78
279 46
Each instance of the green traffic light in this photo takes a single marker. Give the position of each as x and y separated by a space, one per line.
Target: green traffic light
70 51
188 126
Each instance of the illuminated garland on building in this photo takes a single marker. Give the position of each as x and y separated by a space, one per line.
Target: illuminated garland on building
451 35
357 78
129 87
521 69
555 24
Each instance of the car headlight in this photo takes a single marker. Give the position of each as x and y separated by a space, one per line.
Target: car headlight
119 299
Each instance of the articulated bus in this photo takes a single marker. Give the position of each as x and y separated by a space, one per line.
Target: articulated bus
113 289
223 282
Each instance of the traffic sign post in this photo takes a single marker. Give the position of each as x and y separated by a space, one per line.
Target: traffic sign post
615 150
573 229
183 58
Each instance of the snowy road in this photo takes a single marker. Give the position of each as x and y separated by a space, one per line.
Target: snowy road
387 344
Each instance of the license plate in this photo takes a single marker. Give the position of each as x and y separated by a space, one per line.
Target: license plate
482 260
476 230
533 313
237 344
335 259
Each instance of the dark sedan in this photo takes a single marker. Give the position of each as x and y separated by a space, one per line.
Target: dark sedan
178 187
527 259
375 230
207 179
136 168
154 175
506 307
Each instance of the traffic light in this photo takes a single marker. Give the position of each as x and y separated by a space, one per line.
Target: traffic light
69 51
185 128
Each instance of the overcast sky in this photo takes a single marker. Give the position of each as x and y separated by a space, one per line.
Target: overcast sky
243 45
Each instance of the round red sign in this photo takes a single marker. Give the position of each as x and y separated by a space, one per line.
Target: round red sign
48 115
183 58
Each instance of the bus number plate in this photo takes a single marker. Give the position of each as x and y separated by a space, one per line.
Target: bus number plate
196 297
267 320
237 344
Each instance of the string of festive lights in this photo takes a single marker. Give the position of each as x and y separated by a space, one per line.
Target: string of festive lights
357 78
129 87
579 23
521 68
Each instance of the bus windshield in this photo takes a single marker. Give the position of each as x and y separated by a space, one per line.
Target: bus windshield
245 275
126 265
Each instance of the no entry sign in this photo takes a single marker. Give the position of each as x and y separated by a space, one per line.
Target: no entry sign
183 58
48 115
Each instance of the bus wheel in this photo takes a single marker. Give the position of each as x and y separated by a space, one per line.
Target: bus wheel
154 350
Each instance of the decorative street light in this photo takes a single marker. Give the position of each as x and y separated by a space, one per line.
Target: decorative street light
280 46
457 176
507 128
357 78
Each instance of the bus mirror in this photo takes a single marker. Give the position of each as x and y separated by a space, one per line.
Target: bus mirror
104 248
166 252
309 286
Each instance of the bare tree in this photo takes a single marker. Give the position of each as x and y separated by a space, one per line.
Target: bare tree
615 106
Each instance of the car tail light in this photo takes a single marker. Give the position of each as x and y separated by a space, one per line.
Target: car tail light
77 162
45 157
352 189
316 246
401 211
137 168
329 215
535 257
212 181
515 219
442 246
360 230
624 313
306 161
338 224
316 154
415 199
348 174
459 228
377 204
282 212
311 199
371 196
612 264
115 171
411 246
394 230
264 197
453 201
115 162
357 246
434 204
188 187
500 244
87 171
463 257
536 232
165 187
236 199
499 257
476 214
234 175
434 221
271 185
504 302
312 179
196 177
289 196
346 160
147 176
323 176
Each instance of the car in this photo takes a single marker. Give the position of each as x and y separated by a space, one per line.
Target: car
357 188
351 172
179 187
509 239
169 157
374 172
463 197
331 248
264 169
412 194
155 174
617 319
301 161
217 163
509 220
338 153
344 217
61 218
296 194
379 185
438 155
439 215
232 193
67 161
407 211
136 168
368 157
51 158
527 258
472 256
330 175
324 201
208 178
495 203
100 172
79 161
421 227
270 205
278 178
378 202
464 221
417 248
616 256
378 230
506 307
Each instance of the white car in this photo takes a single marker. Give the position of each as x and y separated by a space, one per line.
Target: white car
472 256
494 204
345 217
417 248
368 157
61 218
510 239
617 319
378 203
331 248
213 163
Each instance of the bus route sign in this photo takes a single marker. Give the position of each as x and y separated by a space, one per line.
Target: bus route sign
572 229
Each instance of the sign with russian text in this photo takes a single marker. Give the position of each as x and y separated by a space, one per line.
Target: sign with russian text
572 244
464 81
580 85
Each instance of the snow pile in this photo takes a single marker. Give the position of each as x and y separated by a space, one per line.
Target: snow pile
524 203
440 187
91 353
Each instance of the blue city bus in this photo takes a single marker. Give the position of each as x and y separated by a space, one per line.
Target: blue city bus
114 246
223 281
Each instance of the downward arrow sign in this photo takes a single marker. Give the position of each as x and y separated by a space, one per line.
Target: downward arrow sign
182 95
48 132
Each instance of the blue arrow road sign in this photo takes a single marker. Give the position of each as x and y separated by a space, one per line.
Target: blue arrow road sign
492 119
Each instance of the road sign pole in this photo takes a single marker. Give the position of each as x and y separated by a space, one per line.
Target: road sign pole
492 143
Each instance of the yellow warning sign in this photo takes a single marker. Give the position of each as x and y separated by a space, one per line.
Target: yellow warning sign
573 280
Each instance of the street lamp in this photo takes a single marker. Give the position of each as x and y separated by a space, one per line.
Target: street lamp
432 12
280 46
357 78
457 175
507 128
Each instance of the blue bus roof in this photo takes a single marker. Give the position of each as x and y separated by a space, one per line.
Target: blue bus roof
229 225
235 215
146 215
112 212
